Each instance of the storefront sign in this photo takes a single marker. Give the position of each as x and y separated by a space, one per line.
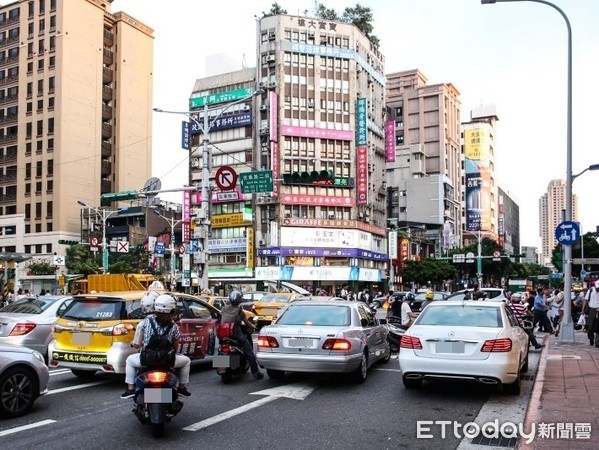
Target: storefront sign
317 200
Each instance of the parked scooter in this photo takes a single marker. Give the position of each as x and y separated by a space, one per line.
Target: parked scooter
156 399
230 361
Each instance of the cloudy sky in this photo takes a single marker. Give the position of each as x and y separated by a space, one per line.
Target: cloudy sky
512 55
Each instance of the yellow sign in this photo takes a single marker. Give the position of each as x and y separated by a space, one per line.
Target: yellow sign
476 144
229 220
251 249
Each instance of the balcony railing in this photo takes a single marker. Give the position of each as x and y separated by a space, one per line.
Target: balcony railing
8 198
9 21
8 178
8 157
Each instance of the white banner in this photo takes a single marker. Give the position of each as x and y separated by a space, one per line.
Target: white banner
392 245
325 238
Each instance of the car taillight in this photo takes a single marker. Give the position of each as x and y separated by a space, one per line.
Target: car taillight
156 377
336 344
224 348
497 345
267 342
410 342
22 328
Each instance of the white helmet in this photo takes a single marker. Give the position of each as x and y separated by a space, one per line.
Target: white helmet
147 301
165 304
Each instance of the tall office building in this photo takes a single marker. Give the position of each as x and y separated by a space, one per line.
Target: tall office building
552 207
423 171
75 115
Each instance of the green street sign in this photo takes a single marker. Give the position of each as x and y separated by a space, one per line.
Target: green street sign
220 97
253 182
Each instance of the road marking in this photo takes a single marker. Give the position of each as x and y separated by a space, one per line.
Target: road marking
296 391
26 427
79 386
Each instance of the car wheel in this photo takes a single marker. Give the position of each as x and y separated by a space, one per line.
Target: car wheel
513 388
362 371
226 377
411 383
275 374
83 373
18 391
525 365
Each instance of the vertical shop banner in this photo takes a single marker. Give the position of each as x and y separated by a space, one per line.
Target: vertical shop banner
361 122
186 214
274 154
392 244
390 140
404 252
362 175
273 99
478 179
185 136
251 249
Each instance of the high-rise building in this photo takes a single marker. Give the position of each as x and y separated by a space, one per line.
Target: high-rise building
508 222
552 207
423 172
75 114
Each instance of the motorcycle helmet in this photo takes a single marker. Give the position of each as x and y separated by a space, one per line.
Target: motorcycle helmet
165 304
147 301
430 295
235 297
409 296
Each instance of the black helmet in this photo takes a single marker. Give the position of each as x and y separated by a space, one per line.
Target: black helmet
410 296
235 297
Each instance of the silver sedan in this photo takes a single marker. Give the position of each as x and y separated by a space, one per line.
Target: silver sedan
323 336
23 378
28 322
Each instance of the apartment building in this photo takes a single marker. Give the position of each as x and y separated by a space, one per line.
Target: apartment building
75 115
552 207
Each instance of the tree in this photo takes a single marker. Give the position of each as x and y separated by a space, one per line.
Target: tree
136 261
275 10
324 13
591 250
41 268
427 271
80 260
361 17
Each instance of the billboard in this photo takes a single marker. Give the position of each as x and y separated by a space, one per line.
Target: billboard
478 179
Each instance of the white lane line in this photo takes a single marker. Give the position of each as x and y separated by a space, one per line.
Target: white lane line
26 427
59 372
226 415
387 370
79 386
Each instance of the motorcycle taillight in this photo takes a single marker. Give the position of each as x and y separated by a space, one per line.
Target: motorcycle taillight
156 377
225 348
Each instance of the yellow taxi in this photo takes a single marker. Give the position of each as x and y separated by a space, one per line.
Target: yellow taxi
267 307
96 330
219 302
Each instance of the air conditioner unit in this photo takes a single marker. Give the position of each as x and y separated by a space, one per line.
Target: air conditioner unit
263 131
261 243
272 36
270 58
263 107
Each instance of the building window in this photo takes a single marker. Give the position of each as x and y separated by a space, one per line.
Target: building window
28 149
29 68
51 144
52 61
38 210
51 84
27 211
38 247
50 167
399 139
27 231
40 65
49 226
51 125
29 107
40 105
40 87
27 171
49 186
49 208
38 169
50 103
27 188
38 188
39 147
40 127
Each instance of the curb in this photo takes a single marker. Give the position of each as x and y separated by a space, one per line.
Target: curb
534 405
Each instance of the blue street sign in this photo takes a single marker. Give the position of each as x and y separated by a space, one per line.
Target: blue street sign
567 233
159 248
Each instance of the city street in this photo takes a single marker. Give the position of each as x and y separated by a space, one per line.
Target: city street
300 411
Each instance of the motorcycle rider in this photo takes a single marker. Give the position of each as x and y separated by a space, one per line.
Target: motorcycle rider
429 297
164 308
233 313
407 316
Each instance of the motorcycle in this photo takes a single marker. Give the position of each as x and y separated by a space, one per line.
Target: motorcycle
156 398
230 361
396 332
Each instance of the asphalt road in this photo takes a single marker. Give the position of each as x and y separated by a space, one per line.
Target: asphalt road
301 411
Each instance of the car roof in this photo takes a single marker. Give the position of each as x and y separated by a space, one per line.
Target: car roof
467 303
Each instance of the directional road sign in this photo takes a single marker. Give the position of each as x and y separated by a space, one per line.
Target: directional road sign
226 178
567 233
260 181
459 258
585 260
93 242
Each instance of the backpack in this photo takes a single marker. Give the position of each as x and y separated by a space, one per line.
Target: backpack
159 353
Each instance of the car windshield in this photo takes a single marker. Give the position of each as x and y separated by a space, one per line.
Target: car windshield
316 315
28 306
461 316
96 310
275 298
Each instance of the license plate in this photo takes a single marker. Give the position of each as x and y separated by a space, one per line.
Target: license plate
81 338
225 361
450 347
158 395
300 342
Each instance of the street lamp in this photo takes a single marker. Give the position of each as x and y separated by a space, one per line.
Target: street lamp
567 327
173 224
105 215
479 261
205 127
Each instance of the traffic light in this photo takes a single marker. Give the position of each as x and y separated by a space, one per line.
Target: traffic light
111 197
323 177
67 242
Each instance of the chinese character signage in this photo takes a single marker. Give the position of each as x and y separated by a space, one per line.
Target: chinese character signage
274 151
185 136
362 175
390 140
220 97
273 115
186 214
361 122
478 179
317 200
241 119
393 245
251 250
322 133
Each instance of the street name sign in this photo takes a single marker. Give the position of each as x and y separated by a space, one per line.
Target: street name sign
254 182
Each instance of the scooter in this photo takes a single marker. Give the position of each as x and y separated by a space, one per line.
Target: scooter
156 398
396 332
230 361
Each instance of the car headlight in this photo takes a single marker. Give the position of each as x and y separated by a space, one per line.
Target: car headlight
39 356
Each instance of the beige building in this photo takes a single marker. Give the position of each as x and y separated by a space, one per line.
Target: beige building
75 115
552 207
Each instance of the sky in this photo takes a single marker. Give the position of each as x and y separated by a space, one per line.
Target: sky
511 55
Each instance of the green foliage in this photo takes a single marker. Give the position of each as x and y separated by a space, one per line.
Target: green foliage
360 16
324 13
136 261
81 260
428 270
275 10
41 268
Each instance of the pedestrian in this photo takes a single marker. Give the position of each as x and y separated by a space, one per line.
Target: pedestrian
43 292
351 296
539 310
343 293
591 300
522 313
366 296
557 304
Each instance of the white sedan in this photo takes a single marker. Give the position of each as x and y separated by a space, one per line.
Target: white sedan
465 340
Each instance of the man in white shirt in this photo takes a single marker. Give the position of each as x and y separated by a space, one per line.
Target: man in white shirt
407 315
592 299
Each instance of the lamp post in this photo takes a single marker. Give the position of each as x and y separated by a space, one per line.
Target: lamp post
172 224
567 327
479 260
205 128
105 214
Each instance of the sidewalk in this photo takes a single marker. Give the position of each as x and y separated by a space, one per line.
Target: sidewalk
564 406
